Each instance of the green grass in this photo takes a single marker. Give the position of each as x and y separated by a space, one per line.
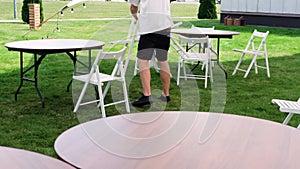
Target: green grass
25 124
92 10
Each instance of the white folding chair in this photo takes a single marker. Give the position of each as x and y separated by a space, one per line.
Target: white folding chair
132 37
133 32
287 106
255 50
95 77
202 56
190 43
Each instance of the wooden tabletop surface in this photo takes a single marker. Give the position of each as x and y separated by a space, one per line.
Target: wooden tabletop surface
12 158
180 140
57 45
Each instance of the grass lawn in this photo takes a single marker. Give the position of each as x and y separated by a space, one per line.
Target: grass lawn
25 124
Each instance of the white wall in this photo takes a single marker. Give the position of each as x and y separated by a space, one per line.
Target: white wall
262 6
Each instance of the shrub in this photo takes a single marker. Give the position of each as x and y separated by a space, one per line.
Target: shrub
25 10
207 9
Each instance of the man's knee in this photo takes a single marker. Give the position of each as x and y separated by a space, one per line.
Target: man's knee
143 64
164 66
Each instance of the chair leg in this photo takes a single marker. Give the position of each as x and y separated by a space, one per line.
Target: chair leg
178 71
250 66
184 70
125 96
267 65
206 74
203 66
80 97
106 88
288 118
238 64
135 67
255 67
211 71
152 63
101 101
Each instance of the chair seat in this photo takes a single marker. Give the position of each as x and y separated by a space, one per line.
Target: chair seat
287 106
197 57
251 52
103 78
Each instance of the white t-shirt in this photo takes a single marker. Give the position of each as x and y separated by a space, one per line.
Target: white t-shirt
154 15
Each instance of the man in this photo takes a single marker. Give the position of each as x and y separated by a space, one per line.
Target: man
154 23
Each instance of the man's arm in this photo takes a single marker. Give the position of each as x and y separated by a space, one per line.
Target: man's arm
134 10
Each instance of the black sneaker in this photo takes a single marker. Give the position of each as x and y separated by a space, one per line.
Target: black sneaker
164 98
142 101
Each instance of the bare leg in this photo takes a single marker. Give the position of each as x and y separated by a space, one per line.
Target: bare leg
165 77
145 76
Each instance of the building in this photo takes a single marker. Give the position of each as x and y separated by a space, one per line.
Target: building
280 13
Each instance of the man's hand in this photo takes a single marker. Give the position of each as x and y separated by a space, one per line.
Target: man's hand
134 10
134 15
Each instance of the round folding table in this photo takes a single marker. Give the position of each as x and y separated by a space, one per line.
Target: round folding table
180 140
12 158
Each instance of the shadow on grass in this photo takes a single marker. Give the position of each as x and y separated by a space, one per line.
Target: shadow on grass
252 96
25 124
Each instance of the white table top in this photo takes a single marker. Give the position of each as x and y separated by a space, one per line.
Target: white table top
211 33
57 45
12 158
180 140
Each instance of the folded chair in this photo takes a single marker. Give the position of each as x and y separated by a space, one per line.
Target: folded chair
190 43
256 46
103 80
290 107
131 39
202 56
205 30
213 53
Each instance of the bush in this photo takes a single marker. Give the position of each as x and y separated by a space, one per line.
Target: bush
25 10
207 9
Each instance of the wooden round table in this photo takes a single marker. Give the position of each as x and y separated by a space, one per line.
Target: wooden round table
180 140
41 48
12 158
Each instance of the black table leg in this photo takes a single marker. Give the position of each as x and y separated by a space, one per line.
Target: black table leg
218 57
74 59
21 76
187 49
37 62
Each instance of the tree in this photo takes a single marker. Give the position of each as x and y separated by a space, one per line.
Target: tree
25 10
207 9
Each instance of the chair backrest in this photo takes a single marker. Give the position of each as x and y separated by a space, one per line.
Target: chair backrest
194 40
183 53
132 34
190 42
257 41
119 56
132 37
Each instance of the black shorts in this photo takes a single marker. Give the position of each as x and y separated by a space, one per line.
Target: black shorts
154 42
